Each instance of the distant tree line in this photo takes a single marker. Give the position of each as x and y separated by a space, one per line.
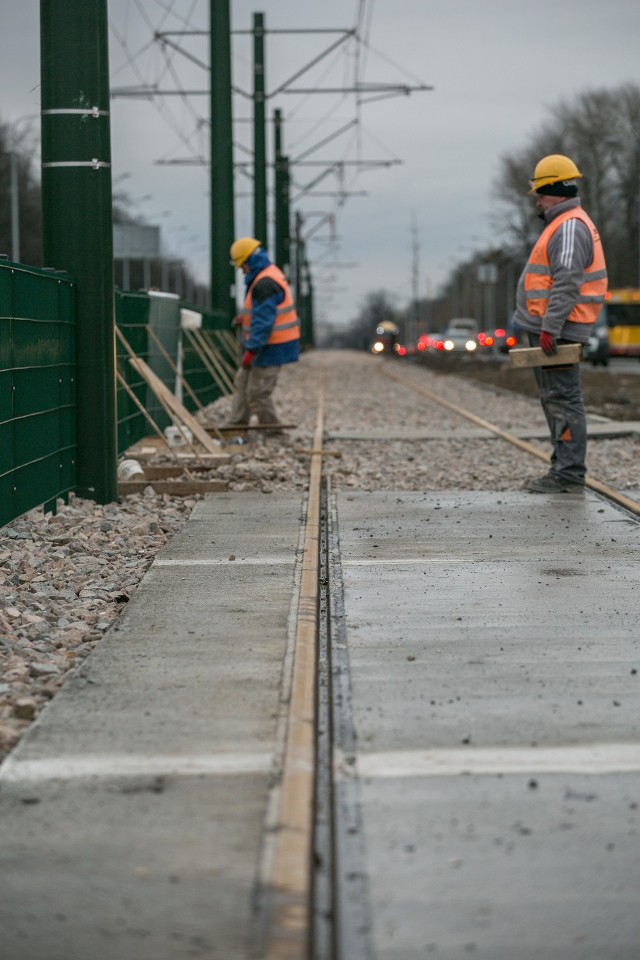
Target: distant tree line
20 180
600 130
18 146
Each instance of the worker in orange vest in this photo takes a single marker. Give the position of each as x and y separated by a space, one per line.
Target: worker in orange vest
559 296
270 333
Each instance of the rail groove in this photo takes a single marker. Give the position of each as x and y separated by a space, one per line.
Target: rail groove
288 925
632 506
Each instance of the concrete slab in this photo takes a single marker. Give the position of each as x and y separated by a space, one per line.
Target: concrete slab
132 814
495 671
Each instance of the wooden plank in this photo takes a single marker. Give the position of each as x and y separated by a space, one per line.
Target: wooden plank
224 362
222 386
175 370
164 471
165 397
214 359
536 357
175 488
243 427
144 411
157 447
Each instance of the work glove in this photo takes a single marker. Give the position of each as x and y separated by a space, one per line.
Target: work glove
548 343
247 358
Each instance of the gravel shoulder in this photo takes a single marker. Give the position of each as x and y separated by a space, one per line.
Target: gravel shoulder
65 578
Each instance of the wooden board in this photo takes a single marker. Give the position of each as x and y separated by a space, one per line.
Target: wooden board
165 396
154 447
536 357
164 471
175 488
243 427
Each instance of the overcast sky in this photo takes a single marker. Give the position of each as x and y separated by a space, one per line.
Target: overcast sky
496 66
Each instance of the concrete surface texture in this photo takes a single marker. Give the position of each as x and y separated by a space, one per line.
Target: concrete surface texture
132 815
493 648
488 697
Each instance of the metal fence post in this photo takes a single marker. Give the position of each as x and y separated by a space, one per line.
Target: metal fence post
222 211
77 219
259 134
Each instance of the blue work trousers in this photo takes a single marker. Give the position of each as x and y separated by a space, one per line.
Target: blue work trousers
561 398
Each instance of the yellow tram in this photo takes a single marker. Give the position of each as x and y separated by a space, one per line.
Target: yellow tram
623 320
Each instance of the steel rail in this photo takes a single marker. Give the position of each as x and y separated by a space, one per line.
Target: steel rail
289 883
632 506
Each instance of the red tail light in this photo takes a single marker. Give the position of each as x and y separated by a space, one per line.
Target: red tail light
511 342
489 341
500 332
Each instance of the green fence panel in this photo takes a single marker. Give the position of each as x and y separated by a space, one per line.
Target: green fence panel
150 322
152 325
37 388
164 323
132 317
194 370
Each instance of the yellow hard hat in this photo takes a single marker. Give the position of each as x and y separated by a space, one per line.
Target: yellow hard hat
553 169
242 249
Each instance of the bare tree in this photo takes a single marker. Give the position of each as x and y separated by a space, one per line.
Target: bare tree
600 130
18 146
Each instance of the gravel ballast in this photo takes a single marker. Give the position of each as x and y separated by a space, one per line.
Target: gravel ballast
65 578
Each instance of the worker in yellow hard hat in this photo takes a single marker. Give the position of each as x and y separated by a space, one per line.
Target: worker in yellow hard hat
558 299
270 333
241 250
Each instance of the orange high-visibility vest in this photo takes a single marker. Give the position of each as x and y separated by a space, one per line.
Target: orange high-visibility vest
287 325
538 280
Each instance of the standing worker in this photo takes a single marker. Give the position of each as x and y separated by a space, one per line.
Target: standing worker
270 333
559 296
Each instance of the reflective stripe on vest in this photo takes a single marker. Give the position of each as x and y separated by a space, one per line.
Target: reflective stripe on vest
287 324
538 280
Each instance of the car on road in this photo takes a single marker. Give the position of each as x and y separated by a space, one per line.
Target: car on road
460 336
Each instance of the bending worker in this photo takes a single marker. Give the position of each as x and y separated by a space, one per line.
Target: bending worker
559 296
270 333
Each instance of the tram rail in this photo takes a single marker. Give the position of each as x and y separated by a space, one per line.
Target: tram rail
615 496
316 886
314 825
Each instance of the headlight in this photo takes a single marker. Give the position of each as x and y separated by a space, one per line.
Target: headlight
449 345
470 345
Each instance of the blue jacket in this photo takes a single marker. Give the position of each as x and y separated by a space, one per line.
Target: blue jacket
266 296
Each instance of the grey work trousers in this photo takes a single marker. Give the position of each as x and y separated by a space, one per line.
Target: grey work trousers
254 387
561 398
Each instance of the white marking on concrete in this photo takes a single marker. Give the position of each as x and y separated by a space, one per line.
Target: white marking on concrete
133 765
594 758
223 562
407 560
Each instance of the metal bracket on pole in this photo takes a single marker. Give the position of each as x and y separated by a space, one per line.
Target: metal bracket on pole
95 164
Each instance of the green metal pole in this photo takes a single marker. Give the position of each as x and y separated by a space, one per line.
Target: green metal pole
303 294
222 212
278 217
281 192
311 337
286 213
77 219
296 260
259 134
